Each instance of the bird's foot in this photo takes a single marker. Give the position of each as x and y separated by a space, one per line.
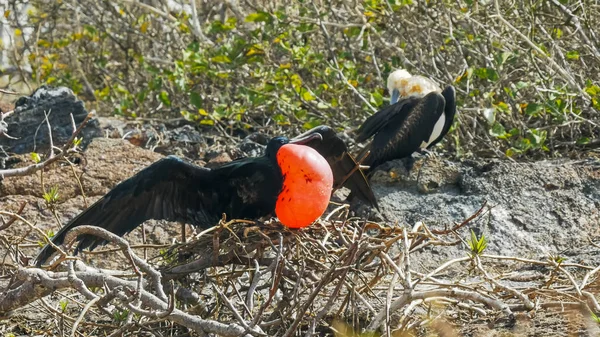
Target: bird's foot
426 153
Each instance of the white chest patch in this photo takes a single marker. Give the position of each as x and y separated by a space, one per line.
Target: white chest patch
437 131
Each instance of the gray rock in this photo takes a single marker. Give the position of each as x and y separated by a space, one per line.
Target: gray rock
27 123
534 209
254 145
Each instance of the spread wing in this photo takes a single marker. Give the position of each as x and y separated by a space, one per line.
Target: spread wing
168 189
335 151
406 130
398 111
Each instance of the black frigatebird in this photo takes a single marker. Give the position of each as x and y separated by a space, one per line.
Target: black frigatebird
418 117
346 171
291 180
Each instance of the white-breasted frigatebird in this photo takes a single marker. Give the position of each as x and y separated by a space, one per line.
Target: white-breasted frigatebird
291 180
345 169
418 117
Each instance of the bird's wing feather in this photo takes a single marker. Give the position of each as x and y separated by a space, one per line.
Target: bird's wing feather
403 135
397 111
335 151
168 189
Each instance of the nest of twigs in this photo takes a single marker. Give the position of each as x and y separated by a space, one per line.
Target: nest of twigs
338 277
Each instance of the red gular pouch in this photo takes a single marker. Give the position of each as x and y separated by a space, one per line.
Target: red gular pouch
307 185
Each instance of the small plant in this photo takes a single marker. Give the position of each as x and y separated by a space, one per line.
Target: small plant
558 259
77 141
35 157
49 234
51 196
63 305
595 318
477 245
120 315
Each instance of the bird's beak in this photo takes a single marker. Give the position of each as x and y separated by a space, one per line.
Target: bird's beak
395 96
305 138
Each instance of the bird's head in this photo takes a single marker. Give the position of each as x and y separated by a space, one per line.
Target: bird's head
401 84
277 143
307 180
274 145
396 81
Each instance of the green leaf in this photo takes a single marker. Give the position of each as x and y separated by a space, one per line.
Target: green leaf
51 196
583 140
557 32
90 29
501 58
537 137
534 109
523 144
196 99
311 124
258 17
280 118
352 31
477 245
511 152
376 99
487 74
308 96
35 157
520 85
497 130
513 132
502 106
322 106
592 90
164 97
572 55
77 141
63 305
221 59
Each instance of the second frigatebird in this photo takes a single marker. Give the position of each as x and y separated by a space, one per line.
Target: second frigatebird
418 117
291 180
346 171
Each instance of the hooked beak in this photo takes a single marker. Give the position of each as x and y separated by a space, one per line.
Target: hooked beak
395 96
304 139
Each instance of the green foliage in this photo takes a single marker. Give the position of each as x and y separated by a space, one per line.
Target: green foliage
77 141
63 305
35 157
51 196
120 315
477 245
49 234
558 259
279 66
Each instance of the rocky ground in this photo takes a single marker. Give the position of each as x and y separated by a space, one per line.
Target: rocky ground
534 210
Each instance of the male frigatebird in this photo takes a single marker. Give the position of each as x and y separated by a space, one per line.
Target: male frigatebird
345 169
418 117
291 180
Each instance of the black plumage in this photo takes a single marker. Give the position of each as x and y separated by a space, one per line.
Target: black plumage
344 167
174 190
407 126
